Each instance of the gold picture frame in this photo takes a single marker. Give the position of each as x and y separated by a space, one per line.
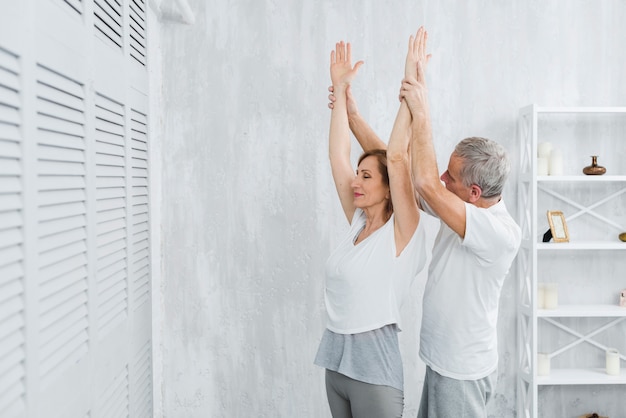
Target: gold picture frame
558 226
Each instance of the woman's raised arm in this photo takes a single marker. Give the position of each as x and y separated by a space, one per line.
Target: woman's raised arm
341 73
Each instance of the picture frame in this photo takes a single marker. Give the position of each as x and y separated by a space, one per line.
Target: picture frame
558 226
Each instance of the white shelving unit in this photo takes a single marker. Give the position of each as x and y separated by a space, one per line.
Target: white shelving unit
588 241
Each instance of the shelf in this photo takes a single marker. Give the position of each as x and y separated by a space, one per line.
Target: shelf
581 245
582 109
580 178
587 311
581 377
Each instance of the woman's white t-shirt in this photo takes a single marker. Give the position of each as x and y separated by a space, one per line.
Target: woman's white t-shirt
365 282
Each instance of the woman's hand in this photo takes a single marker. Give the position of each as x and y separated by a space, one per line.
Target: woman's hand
341 70
416 57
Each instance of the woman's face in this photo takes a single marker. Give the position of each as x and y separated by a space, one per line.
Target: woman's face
368 186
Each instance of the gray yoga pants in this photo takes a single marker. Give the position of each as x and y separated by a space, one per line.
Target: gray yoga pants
349 398
444 397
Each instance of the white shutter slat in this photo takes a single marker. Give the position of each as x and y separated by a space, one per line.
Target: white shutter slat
51 83
107 217
9 114
139 172
9 131
50 123
64 155
107 193
108 277
60 139
140 181
113 312
63 259
141 218
108 204
12 271
139 163
111 259
49 183
104 182
114 127
10 315
9 256
110 160
58 225
75 5
10 185
110 237
10 237
11 354
139 207
51 107
62 239
55 168
112 247
60 197
110 171
64 321
139 145
62 290
113 224
107 146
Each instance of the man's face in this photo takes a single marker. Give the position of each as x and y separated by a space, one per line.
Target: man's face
452 178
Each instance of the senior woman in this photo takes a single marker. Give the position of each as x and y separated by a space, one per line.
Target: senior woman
372 269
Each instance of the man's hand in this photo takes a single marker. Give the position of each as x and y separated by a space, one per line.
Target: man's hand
416 57
341 70
413 88
353 110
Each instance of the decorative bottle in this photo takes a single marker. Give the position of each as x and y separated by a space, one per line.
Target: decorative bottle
594 169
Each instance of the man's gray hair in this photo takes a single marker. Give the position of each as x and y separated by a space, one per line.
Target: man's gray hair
485 164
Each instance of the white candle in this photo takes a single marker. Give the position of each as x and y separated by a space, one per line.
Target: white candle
551 296
622 298
542 166
612 361
541 295
543 364
556 163
543 149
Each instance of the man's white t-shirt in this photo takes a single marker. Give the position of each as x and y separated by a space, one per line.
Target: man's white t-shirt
460 308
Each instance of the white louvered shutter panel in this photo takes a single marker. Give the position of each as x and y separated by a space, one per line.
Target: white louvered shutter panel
137 26
111 233
61 223
12 314
75 266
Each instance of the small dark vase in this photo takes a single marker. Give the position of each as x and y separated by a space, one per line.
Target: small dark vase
594 169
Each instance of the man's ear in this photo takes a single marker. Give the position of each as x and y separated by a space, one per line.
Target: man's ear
475 193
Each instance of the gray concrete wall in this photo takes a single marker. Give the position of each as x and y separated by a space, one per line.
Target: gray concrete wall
249 212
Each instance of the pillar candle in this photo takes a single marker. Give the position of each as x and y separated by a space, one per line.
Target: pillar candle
612 361
543 364
541 294
622 298
543 149
542 166
556 163
551 296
